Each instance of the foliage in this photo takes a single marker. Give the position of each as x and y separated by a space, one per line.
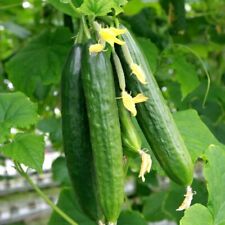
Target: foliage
179 45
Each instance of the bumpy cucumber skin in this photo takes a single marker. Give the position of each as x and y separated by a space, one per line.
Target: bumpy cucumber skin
105 133
77 146
156 121
130 137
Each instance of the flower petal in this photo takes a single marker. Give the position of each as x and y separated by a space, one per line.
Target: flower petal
187 200
118 31
145 164
138 72
109 35
128 102
95 48
140 98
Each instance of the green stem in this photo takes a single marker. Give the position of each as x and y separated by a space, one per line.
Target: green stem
79 38
119 70
85 27
204 68
43 196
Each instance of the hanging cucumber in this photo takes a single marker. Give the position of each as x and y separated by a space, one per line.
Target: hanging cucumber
75 129
131 140
155 118
105 133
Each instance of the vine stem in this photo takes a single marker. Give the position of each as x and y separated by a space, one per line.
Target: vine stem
204 68
42 195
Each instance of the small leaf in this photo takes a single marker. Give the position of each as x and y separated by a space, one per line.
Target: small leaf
63 6
67 203
131 218
214 171
197 214
27 149
33 63
195 133
16 110
96 8
59 171
101 7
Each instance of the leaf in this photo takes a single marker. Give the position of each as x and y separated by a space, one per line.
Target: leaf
27 149
35 61
59 171
152 209
195 133
118 4
197 214
131 218
67 202
214 172
53 126
96 8
101 7
64 7
185 74
16 110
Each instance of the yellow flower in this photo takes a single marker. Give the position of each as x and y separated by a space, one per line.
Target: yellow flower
140 98
109 35
138 72
129 102
187 200
96 48
145 164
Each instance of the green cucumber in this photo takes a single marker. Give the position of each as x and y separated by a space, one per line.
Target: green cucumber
155 119
77 146
130 138
105 133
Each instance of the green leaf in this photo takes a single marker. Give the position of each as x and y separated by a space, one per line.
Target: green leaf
197 214
34 63
153 210
64 7
118 4
67 202
27 149
185 74
214 172
53 126
59 171
195 133
96 8
16 110
101 7
131 218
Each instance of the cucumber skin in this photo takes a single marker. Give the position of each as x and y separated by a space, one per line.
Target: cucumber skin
77 146
105 133
156 120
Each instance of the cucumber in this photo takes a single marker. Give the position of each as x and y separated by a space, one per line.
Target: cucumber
75 131
105 132
130 138
155 119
